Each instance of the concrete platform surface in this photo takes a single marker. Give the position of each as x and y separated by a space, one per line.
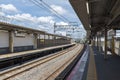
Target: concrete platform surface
31 51
107 69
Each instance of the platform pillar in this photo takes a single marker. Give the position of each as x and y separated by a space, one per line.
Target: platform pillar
11 41
54 40
97 41
93 41
44 40
100 41
113 46
39 41
49 44
105 54
35 41
119 47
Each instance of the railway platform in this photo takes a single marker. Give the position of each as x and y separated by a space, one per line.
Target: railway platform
44 68
22 57
10 55
106 69
93 66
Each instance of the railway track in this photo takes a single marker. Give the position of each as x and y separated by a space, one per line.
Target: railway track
19 70
61 68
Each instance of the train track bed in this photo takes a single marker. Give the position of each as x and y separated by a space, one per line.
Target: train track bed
45 68
14 59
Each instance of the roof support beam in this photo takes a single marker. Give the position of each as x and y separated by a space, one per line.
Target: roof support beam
115 12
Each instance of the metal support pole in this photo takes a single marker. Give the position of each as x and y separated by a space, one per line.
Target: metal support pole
11 41
105 55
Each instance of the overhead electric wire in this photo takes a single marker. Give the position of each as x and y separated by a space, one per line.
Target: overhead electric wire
44 5
49 10
38 3
54 10
35 2
39 7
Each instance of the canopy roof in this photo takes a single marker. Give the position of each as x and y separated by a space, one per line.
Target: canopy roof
96 15
8 26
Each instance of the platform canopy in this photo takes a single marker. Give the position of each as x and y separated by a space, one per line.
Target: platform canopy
96 15
9 27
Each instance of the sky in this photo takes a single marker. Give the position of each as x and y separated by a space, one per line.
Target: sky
26 13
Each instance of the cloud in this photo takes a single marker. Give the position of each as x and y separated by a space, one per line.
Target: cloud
59 9
8 8
2 14
34 19
43 23
23 17
46 19
62 23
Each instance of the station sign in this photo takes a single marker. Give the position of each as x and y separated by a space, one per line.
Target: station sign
20 35
42 40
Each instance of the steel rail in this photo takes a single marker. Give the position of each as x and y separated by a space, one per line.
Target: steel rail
22 69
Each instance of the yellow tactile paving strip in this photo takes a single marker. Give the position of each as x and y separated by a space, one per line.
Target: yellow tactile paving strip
91 74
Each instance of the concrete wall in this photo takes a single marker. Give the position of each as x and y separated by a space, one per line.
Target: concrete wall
117 47
4 39
4 42
20 43
24 41
41 36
